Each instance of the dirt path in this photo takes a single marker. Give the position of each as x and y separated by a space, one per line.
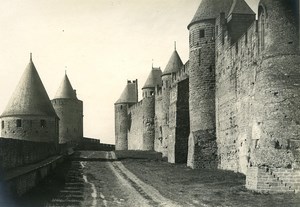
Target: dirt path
145 191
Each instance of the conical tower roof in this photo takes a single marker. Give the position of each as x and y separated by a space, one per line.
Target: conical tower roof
154 78
210 9
30 97
129 94
174 64
240 7
65 89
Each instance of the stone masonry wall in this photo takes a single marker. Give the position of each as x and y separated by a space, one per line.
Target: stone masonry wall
70 113
15 153
141 127
236 67
30 128
257 96
202 139
158 142
148 123
135 128
121 126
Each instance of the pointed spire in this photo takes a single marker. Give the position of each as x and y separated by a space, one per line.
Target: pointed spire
175 45
30 97
174 64
65 89
31 57
154 78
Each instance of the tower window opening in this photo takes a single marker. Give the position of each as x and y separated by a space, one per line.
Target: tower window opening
202 33
43 123
2 124
19 123
261 24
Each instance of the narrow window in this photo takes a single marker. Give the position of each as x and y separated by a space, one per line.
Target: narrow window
202 33
261 24
43 123
19 123
2 124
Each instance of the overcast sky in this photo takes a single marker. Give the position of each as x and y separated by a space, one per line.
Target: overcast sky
101 44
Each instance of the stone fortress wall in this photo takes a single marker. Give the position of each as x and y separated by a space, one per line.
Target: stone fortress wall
235 104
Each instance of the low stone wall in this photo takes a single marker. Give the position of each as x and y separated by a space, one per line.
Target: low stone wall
20 180
264 179
16 153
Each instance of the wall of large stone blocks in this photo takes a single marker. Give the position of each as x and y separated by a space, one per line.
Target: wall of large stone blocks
264 179
135 127
70 113
236 67
141 126
158 141
31 128
16 153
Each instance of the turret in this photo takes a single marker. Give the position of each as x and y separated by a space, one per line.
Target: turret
173 66
153 80
29 114
128 97
70 111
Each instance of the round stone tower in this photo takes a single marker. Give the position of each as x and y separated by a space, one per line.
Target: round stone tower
29 114
153 81
173 66
122 118
277 86
70 112
202 139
